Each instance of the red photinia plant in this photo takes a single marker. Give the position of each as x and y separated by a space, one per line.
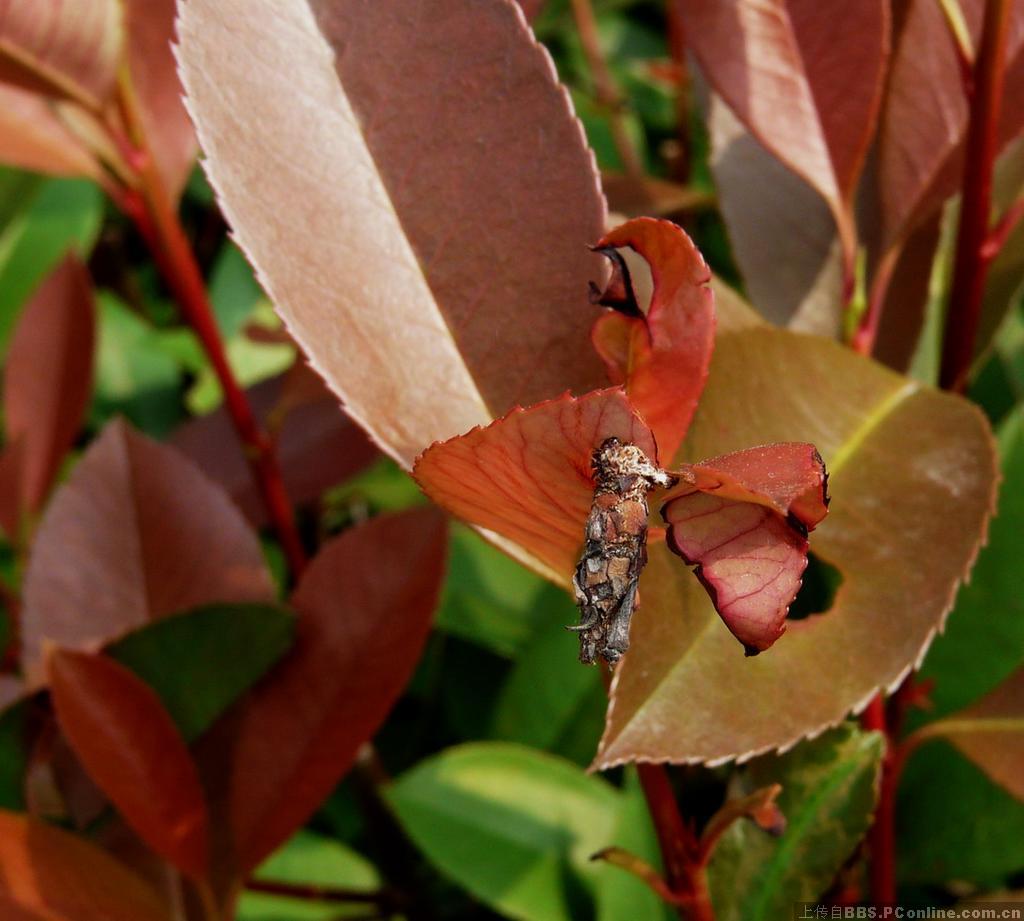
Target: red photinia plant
741 519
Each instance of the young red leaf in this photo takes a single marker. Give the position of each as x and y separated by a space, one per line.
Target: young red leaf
365 605
49 873
756 53
132 750
923 125
149 30
48 377
137 533
430 298
663 357
528 475
62 50
318 445
32 136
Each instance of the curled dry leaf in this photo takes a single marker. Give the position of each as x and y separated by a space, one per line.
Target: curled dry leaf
912 479
755 53
744 523
137 533
48 376
364 610
990 733
529 478
130 747
52 874
661 357
68 50
430 297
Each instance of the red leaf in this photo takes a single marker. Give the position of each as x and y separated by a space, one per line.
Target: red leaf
48 378
743 524
528 475
318 445
149 27
365 605
757 53
33 136
52 874
137 533
131 748
435 292
663 357
921 137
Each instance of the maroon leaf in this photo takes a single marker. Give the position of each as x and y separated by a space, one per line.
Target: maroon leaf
48 378
746 532
318 445
663 357
528 475
131 748
435 292
756 54
137 533
365 606
48 873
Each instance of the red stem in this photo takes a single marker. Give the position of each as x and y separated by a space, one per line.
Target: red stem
972 261
159 225
882 837
680 849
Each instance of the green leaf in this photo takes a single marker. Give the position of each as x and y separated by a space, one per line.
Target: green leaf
201 661
954 824
490 599
514 827
61 213
234 291
13 754
134 375
309 859
620 894
985 634
829 788
548 700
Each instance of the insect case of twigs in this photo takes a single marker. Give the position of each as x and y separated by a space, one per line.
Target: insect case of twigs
615 552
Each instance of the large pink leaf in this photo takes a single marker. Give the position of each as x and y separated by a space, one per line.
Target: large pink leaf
32 136
48 873
784 68
131 748
663 356
317 444
912 478
925 115
137 533
365 606
421 219
149 30
48 376
527 476
61 49
744 525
